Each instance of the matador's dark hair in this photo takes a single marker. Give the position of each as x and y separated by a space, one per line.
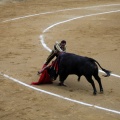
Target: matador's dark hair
63 41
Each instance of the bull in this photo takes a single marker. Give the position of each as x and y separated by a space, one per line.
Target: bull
69 63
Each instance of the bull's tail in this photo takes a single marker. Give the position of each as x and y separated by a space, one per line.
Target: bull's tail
106 71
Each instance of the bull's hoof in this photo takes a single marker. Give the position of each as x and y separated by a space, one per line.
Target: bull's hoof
95 93
61 84
101 92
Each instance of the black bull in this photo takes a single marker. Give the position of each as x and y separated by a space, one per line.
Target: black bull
69 63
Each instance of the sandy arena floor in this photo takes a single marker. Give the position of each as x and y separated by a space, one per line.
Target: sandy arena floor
96 35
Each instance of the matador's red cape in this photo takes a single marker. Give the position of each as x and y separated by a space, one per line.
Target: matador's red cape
45 77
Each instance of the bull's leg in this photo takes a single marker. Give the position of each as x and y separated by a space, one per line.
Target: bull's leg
79 78
89 79
62 79
99 82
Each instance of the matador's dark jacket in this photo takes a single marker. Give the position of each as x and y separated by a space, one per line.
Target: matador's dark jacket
57 48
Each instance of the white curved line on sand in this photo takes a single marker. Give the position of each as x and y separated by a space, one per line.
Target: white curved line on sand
52 12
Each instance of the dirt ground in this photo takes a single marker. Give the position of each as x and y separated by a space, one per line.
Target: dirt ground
22 55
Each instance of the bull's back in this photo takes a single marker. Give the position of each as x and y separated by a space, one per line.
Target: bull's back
68 58
72 62
72 59
75 64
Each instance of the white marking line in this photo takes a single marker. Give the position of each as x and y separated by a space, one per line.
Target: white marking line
27 16
78 18
59 96
43 43
56 95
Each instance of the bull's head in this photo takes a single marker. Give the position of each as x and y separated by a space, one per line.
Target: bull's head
53 73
